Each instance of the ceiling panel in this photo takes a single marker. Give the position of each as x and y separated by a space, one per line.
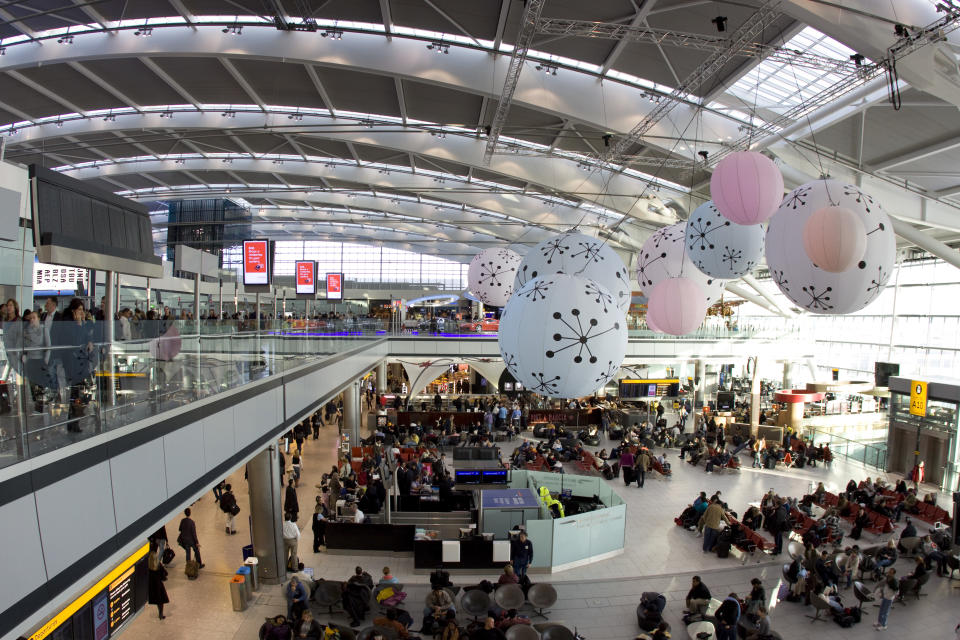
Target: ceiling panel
205 79
22 98
134 181
313 146
215 177
354 10
282 84
135 80
258 177
174 178
438 104
72 86
479 19
117 9
48 14
362 92
213 143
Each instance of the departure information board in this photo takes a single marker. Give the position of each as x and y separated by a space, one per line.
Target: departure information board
121 595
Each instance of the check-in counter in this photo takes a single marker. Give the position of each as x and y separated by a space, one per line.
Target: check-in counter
471 553
369 537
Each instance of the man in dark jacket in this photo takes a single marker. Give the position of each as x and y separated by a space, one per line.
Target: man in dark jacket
188 537
290 503
698 597
727 615
521 553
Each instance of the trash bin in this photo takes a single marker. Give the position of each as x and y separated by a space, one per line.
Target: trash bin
247 586
247 552
254 564
237 595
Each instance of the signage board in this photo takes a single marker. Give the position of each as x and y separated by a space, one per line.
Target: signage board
56 279
120 592
256 262
918 398
306 271
334 286
101 617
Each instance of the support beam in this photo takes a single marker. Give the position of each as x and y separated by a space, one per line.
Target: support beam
752 282
401 101
910 233
449 19
39 88
315 79
921 152
501 23
639 19
248 89
163 75
386 18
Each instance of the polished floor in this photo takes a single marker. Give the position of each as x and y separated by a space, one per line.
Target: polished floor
599 599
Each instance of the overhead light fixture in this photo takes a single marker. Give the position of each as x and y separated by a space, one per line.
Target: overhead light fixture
439 134
439 47
901 31
229 114
59 124
65 39
235 29
228 161
858 59
3 51
704 154
720 22
367 122
295 116
333 34
548 68
109 118
144 31
278 161
179 161
166 114
607 137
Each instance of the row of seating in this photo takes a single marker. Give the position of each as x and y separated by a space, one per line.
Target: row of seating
753 540
879 524
803 523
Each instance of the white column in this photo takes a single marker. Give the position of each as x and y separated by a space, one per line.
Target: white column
265 515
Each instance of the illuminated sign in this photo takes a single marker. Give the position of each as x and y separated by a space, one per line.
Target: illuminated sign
918 398
89 594
306 271
55 277
256 262
120 593
334 286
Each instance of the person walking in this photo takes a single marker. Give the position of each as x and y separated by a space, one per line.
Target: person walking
156 574
886 591
641 466
291 540
319 524
229 506
188 537
521 553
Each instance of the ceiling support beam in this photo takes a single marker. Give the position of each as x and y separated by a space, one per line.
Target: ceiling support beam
931 245
93 14
750 280
501 24
449 19
238 77
103 84
618 48
386 18
39 88
181 8
736 289
315 79
919 153
398 85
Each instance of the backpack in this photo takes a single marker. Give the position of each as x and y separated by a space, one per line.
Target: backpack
227 502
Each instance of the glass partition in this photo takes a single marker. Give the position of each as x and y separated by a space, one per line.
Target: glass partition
870 454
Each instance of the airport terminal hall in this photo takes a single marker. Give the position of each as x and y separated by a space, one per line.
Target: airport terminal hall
479 319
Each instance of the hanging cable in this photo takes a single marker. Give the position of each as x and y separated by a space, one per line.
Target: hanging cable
893 83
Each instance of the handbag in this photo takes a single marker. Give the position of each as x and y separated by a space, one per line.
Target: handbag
180 541
235 509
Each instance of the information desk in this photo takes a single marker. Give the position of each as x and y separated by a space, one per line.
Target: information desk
475 553
459 500
369 537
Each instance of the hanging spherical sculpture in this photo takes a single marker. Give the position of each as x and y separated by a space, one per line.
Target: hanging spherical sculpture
562 335
578 254
746 187
491 274
664 255
651 323
721 248
677 306
834 239
811 287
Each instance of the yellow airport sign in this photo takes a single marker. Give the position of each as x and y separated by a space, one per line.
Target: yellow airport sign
918 398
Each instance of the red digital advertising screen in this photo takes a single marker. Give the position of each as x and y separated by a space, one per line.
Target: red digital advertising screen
306 271
334 286
256 262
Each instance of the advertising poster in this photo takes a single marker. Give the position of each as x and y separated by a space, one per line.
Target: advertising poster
256 264
306 277
334 286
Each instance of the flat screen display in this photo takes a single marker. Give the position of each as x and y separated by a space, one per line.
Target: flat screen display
256 262
466 477
725 401
334 286
494 476
306 271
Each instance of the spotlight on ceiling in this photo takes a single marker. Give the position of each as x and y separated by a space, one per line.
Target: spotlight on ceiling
548 68
67 39
721 23
3 51
229 114
144 31
295 116
333 34
235 29
439 47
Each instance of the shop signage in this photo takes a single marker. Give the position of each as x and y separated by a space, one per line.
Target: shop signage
918 398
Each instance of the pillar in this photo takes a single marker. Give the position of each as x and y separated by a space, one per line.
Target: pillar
109 336
699 382
266 524
382 377
196 303
351 412
787 374
755 397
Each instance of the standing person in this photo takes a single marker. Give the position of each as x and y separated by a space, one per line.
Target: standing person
711 523
290 503
641 466
780 524
156 574
727 615
35 356
916 474
886 591
319 524
229 506
291 539
521 552
160 538
188 537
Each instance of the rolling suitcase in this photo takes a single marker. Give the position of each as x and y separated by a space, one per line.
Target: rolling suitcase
628 475
192 569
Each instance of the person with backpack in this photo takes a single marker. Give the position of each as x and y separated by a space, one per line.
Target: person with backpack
229 506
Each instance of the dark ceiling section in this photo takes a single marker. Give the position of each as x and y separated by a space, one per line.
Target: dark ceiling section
225 7
257 177
361 92
377 154
215 177
47 14
322 147
25 100
211 142
135 80
578 138
479 19
264 142
433 164
280 84
205 79
127 10
174 178
72 87
532 126
431 103
352 10
134 181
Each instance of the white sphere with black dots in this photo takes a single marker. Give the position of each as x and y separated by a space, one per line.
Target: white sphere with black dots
562 336
491 275
578 254
721 248
801 280
664 255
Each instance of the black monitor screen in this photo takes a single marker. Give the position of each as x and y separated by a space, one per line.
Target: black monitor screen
467 477
725 401
494 476
882 372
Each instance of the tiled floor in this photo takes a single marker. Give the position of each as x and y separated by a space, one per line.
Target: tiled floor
599 599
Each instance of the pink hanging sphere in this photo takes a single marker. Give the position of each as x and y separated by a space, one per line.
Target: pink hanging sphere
746 187
651 323
677 306
834 239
